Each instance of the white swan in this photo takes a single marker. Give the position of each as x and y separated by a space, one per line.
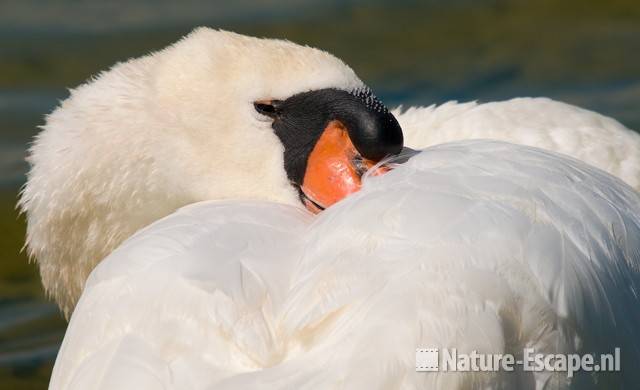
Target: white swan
478 245
187 124
593 138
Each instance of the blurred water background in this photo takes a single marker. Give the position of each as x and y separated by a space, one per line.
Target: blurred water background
579 51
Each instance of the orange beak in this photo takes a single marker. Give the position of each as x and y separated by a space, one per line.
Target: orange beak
334 169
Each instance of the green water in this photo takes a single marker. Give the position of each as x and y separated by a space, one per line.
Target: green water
582 52
30 328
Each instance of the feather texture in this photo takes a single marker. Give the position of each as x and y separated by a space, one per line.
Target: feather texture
544 123
477 245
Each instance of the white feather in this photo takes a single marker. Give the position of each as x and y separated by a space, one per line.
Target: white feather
476 245
156 133
544 123
177 126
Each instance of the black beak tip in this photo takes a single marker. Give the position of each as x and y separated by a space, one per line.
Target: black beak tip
392 135
380 137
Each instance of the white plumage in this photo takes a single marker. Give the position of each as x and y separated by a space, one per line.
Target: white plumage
157 133
544 123
476 245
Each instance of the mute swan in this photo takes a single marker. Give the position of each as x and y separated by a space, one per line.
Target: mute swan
240 292
190 123
588 136
474 245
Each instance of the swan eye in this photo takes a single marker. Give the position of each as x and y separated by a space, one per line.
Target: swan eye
270 108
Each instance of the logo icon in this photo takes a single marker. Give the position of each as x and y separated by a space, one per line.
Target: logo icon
427 359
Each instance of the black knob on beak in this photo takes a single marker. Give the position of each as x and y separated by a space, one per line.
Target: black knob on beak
301 119
376 134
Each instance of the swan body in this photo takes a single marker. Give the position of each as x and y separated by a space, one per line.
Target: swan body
544 123
177 126
477 245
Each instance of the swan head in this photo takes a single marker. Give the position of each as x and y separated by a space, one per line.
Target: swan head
215 116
